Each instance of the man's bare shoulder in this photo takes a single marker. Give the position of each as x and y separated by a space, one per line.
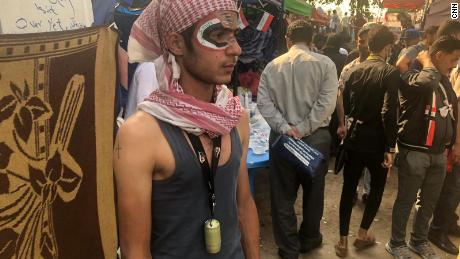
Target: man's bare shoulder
139 129
243 126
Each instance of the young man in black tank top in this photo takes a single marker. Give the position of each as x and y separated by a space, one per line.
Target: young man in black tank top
197 49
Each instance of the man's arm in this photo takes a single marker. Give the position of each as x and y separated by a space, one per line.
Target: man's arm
390 110
403 64
134 164
425 80
247 211
324 105
267 107
344 76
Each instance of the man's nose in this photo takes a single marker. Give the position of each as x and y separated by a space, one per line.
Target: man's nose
234 49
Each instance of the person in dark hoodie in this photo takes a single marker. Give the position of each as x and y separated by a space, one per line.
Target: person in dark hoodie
427 126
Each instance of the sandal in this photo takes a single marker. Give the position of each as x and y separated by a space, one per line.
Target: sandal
341 251
361 244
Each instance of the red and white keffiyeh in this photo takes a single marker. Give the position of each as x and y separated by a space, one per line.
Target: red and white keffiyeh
169 103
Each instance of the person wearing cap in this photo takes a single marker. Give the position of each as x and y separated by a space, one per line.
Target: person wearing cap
427 129
410 37
180 161
409 54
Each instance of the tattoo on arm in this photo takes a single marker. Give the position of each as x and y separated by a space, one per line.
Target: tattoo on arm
118 148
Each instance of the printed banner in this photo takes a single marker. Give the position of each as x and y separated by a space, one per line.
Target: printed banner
56 137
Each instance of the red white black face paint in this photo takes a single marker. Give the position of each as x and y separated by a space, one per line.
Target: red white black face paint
217 30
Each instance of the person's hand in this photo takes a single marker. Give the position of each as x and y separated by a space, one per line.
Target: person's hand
456 153
388 160
425 59
294 132
342 131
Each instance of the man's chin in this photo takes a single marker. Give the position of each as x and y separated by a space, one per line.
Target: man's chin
223 80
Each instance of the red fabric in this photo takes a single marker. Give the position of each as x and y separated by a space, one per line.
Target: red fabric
403 4
318 17
250 80
169 103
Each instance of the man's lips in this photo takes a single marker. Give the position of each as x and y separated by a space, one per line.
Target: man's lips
231 65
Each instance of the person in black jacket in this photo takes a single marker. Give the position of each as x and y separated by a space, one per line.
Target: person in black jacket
371 104
427 127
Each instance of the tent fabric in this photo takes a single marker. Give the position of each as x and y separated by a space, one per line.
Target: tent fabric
103 11
319 17
438 12
300 7
403 4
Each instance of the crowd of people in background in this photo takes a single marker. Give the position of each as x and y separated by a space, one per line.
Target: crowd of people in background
357 88
393 95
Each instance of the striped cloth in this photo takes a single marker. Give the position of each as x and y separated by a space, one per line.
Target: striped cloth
169 103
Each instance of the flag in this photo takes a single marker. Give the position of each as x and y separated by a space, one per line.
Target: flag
265 21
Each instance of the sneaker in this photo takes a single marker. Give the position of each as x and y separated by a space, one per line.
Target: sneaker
400 252
424 250
310 244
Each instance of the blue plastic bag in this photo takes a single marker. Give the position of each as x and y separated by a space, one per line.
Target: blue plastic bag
298 154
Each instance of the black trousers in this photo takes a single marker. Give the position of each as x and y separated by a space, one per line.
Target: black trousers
444 215
351 175
284 184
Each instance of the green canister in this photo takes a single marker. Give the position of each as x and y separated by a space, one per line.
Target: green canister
212 236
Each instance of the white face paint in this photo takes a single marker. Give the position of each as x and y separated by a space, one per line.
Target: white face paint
204 32
217 31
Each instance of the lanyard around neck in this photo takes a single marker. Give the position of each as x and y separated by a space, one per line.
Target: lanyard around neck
208 170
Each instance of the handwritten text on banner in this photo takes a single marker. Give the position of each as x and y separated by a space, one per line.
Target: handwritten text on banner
28 16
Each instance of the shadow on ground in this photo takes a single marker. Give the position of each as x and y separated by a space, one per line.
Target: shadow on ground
330 222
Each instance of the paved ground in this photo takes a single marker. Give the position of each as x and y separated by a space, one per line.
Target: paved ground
380 227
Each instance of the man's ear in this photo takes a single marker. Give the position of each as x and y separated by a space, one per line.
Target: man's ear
175 44
438 55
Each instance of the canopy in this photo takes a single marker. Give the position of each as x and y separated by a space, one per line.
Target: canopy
438 12
404 4
300 7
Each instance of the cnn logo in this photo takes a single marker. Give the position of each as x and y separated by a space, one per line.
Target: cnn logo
454 11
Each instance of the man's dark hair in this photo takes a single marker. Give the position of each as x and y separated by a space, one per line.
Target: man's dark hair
363 32
334 41
335 11
445 44
432 30
449 27
188 36
319 39
379 37
299 32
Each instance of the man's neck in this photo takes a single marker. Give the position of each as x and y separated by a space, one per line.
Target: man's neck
302 45
380 55
197 88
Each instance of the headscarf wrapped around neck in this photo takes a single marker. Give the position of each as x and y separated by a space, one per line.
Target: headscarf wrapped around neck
169 103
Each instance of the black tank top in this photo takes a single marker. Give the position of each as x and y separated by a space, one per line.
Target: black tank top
180 204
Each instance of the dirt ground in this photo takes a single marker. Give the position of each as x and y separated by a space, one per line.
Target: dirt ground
329 228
